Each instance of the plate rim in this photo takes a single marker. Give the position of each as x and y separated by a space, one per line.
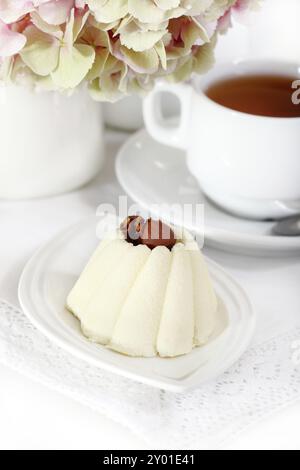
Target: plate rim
29 276
212 234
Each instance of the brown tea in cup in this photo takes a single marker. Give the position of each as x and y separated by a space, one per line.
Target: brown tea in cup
260 95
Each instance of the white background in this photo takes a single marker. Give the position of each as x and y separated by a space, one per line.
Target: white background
33 417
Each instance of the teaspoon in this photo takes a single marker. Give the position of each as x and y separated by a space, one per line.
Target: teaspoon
288 227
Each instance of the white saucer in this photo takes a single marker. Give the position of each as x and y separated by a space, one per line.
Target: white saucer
52 272
152 173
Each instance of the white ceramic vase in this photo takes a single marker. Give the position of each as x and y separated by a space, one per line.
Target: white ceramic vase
50 143
125 115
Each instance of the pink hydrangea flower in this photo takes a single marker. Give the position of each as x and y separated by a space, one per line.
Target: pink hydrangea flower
116 47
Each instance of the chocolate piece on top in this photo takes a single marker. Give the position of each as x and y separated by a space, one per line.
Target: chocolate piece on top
152 233
132 228
156 233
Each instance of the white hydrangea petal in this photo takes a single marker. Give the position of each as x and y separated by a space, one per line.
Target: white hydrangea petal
103 26
69 31
161 52
105 90
47 28
198 7
73 66
107 11
41 51
204 59
153 26
98 65
79 23
97 38
194 34
111 86
218 8
140 62
146 10
183 70
167 4
140 84
6 66
133 38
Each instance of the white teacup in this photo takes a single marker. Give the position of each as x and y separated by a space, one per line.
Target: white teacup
249 165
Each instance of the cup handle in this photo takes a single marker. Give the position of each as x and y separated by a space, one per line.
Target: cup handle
157 126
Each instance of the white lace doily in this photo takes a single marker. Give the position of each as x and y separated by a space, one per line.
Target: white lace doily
266 379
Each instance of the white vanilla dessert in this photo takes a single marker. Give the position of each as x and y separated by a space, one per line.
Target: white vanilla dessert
146 291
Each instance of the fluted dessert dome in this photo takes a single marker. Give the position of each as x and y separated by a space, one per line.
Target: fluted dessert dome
145 299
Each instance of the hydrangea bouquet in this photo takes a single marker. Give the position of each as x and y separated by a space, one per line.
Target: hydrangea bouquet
117 47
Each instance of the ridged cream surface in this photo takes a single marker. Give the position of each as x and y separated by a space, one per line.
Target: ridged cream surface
143 303
138 324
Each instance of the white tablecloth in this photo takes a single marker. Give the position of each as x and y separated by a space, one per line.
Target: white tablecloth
273 285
